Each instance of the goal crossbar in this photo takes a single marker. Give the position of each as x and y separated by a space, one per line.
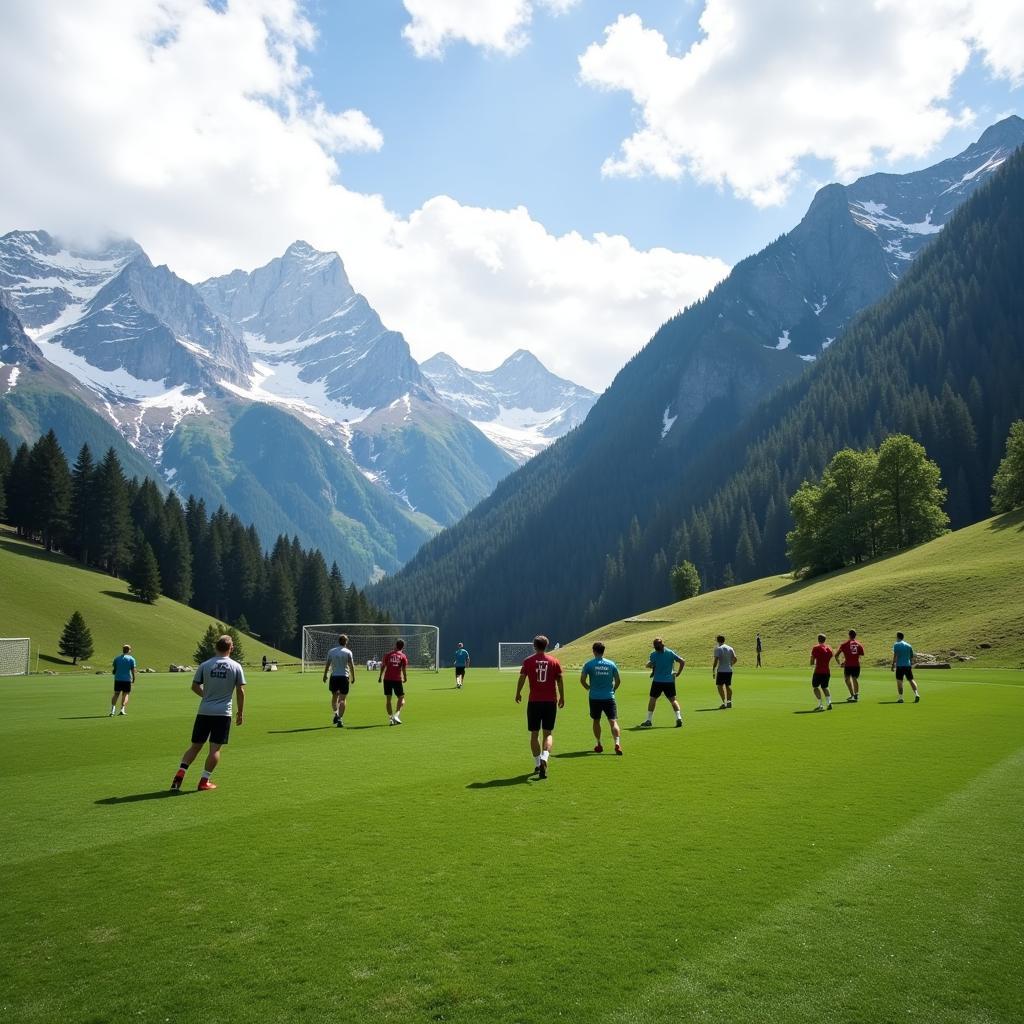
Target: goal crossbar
370 641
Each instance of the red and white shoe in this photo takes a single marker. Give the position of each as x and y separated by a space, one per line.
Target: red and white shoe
206 784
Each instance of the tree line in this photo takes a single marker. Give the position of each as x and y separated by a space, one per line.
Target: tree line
213 562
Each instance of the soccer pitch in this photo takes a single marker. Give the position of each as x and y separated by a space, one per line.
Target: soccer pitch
759 864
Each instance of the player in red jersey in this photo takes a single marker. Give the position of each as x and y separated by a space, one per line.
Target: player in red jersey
821 658
392 672
546 696
852 651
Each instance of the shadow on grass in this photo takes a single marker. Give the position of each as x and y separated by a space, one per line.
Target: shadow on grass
122 596
84 718
889 702
134 798
576 753
1008 521
516 780
695 710
352 728
811 711
308 728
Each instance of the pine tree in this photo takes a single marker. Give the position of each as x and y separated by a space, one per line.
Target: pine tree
207 646
19 492
83 505
1008 483
313 598
76 640
49 490
113 524
144 574
337 592
283 616
5 470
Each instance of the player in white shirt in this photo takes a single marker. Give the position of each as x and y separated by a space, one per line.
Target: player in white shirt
342 669
721 669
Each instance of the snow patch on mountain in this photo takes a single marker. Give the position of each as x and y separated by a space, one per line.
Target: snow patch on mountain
782 344
667 422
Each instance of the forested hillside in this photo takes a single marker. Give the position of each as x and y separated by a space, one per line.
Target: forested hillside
938 359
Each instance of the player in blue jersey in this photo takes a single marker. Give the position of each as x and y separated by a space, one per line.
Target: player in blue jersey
600 678
462 662
124 679
903 666
662 662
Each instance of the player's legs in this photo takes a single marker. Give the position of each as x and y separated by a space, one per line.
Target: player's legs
213 757
186 759
342 704
596 723
387 704
678 710
849 680
399 706
721 691
113 703
616 734
535 744
913 684
549 742
758 659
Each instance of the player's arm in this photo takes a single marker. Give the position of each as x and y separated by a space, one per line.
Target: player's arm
327 668
735 657
682 665
561 690
618 681
714 665
583 680
404 679
133 675
197 683
838 661
352 669
892 664
519 687
240 699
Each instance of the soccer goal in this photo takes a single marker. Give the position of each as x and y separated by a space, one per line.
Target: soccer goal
370 641
512 655
14 654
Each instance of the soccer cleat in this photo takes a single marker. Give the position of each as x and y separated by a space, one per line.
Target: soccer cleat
679 723
828 706
722 706
618 750
113 711
599 749
340 724
205 784
819 708
542 770
851 700
917 698
336 719
176 783
899 700
396 720
728 704
646 725
123 712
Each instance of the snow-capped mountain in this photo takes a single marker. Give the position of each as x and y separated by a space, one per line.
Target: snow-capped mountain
521 406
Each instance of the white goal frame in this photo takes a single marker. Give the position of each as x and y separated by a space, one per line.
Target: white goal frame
372 640
512 654
10 656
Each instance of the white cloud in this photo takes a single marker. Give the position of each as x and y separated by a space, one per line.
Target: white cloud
499 25
769 84
198 133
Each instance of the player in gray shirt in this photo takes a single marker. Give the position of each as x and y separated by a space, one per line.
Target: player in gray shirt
721 669
342 669
217 681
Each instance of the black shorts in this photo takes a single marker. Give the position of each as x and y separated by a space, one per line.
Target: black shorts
540 714
122 686
214 728
821 680
604 706
338 684
853 671
669 689
397 688
460 670
904 672
723 679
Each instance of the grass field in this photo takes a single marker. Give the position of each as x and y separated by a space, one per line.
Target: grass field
955 593
40 590
760 864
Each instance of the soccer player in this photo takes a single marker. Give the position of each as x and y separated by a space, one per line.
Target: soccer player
547 694
661 662
216 681
342 669
758 647
721 670
821 658
852 651
124 679
462 662
600 678
392 672
903 666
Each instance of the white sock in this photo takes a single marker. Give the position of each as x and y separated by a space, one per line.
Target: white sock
544 756
679 716
650 716
206 775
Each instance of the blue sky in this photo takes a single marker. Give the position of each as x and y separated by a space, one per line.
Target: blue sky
557 175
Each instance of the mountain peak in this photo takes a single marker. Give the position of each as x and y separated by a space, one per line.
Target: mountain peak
1008 132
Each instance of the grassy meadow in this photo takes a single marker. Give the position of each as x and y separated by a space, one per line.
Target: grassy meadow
758 864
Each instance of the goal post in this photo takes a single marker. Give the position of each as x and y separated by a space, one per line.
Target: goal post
512 654
370 641
14 655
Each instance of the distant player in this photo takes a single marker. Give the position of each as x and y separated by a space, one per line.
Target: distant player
547 694
721 669
124 679
600 678
661 661
342 669
852 651
903 666
462 662
821 659
758 648
392 672
216 681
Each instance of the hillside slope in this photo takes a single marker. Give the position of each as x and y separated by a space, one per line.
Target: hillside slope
39 591
954 593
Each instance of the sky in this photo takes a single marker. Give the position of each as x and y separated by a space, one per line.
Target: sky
557 175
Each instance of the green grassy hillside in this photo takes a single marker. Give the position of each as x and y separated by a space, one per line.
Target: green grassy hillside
39 591
955 593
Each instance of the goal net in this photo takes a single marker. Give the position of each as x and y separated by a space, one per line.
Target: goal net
512 655
370 641
14 653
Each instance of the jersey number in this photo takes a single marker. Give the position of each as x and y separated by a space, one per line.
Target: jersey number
542 671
